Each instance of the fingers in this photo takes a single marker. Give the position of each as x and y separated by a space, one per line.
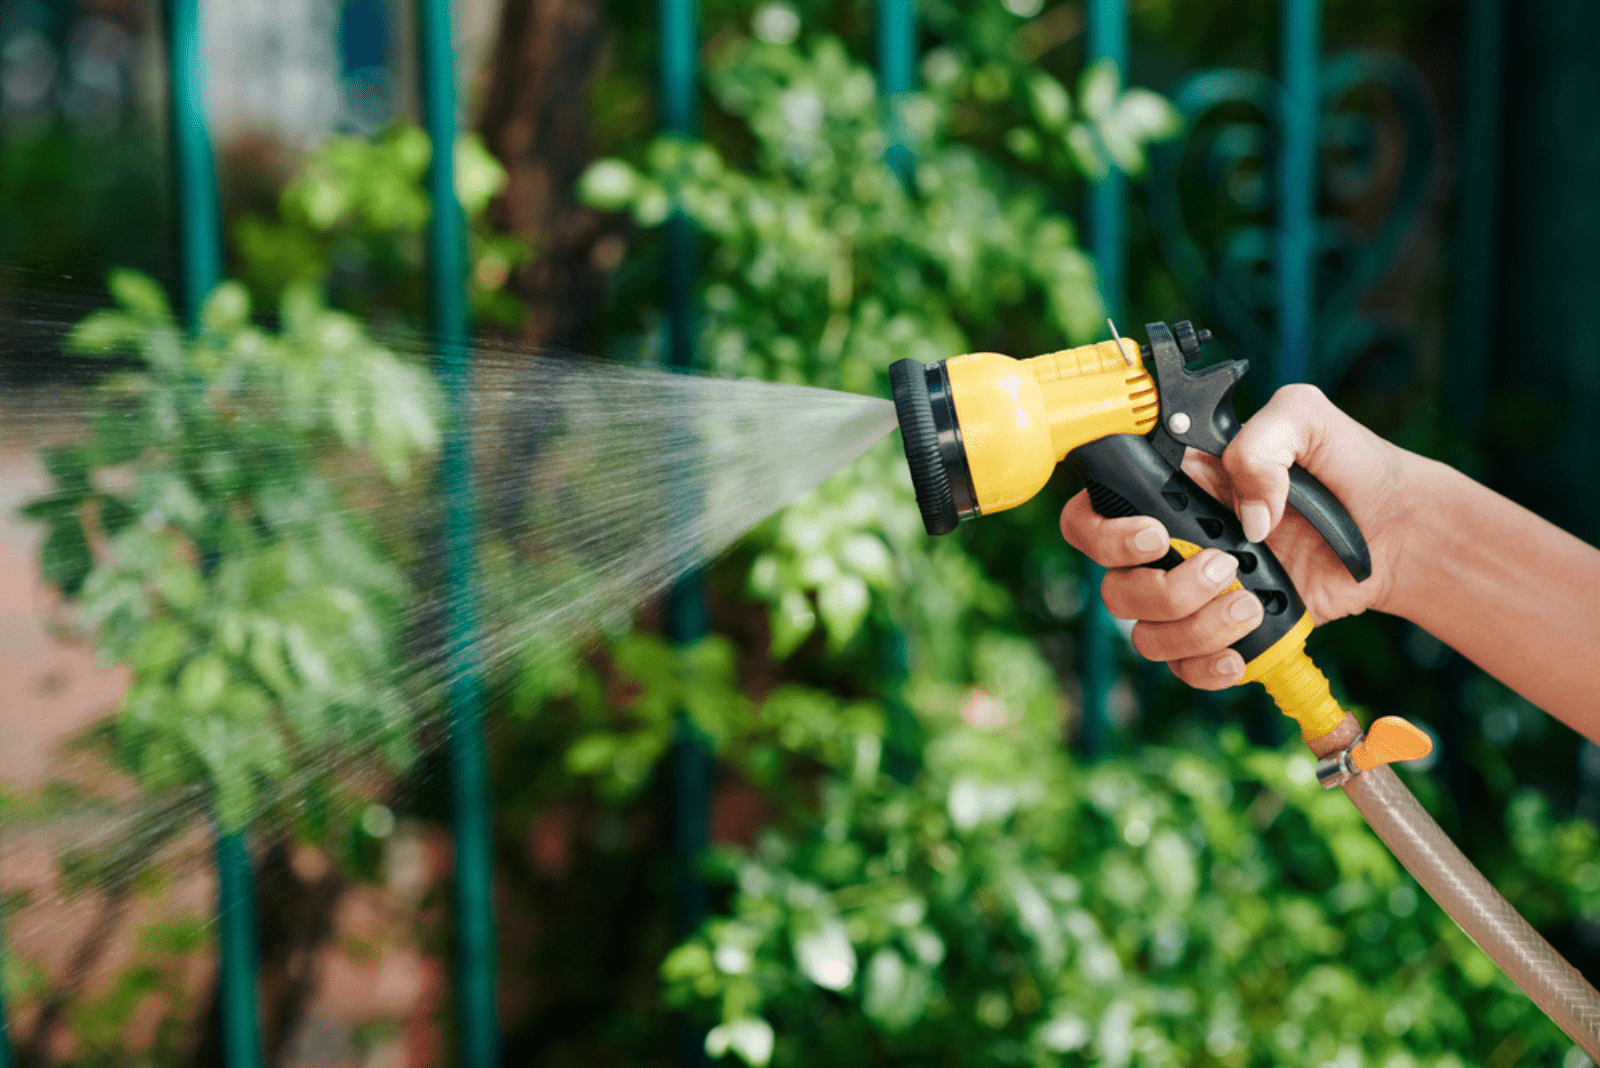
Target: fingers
1163 596
1124 542
1217 671
1284 432
1202 634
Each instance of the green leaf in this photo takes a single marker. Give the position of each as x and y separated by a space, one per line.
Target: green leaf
592 754
1099 88
823 951
160 647
139 293
69 468
227 309
792 623
64 559
750 1037
1147 116
1052 107
897 994
689 961
179 584
478 175
609 184
105 333
1086 152
843 604
201 683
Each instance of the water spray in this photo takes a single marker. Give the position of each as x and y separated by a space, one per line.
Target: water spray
984 432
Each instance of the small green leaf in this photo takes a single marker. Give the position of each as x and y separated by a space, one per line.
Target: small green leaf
608 184
478 175
1086 152
105 333
843 604
161 645
1098 89
201 683
1052 107
792 623
1146 116
65 559
592 754
227 309
822 949
139 294
750 1037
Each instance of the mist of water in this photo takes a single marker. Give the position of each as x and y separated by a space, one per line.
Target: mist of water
613 482
597 485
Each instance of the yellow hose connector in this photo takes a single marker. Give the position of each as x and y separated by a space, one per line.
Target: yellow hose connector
1297 686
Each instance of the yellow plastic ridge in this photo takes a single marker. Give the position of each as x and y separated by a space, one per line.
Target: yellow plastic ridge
1296 685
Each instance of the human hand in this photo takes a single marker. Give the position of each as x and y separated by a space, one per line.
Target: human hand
1182 615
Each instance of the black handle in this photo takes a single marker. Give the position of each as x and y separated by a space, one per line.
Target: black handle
1323 511
1125 476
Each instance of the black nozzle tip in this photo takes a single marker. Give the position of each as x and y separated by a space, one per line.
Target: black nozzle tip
919 434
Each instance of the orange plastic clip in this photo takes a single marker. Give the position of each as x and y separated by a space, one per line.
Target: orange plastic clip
1390 739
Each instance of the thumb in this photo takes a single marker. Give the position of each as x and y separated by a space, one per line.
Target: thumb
1287 431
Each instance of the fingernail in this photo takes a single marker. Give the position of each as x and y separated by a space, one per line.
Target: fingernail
1256 518
1220 568
1149 539
1227 665
1243 607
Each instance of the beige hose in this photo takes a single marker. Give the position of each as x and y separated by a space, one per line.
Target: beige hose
1471 900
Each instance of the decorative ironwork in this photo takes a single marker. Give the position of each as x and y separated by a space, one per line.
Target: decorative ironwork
1211 199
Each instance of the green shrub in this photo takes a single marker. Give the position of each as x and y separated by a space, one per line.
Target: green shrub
217 530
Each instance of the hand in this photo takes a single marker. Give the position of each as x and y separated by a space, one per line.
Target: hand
1182 616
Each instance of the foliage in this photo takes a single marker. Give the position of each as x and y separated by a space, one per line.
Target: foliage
1010 907
352 219
989 901
1000 904
206 531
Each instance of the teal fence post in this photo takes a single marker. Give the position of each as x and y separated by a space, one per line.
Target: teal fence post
200 253
199 212
236 923
478 1033
688 618
897 58
897 64
5 1017
1473 311
1297 189
1108 205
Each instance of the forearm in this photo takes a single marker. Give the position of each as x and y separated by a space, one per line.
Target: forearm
1515 594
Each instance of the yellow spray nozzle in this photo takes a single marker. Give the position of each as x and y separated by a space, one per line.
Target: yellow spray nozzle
983 432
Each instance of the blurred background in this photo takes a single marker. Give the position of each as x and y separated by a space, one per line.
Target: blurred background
846 796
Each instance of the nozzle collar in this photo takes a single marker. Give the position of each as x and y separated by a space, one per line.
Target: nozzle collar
932 441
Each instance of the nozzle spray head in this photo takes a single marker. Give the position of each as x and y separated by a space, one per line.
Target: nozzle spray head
932 440
983 432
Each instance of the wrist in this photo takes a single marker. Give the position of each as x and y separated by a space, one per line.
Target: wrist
1412 536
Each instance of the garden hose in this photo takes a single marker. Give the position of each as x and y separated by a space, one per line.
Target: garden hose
983 433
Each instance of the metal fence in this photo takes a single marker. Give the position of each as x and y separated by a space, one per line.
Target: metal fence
1297 115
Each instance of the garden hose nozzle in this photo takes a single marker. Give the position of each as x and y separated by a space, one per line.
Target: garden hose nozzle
983 432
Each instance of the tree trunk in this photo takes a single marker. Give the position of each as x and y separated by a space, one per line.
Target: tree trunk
534 120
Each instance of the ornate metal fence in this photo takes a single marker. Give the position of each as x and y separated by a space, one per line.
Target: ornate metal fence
1285 278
